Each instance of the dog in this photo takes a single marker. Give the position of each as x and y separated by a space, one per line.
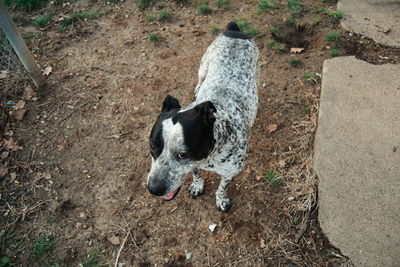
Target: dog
210 133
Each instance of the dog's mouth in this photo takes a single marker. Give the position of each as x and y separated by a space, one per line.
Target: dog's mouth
174 193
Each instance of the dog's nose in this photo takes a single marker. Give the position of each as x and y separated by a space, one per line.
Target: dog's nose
157 188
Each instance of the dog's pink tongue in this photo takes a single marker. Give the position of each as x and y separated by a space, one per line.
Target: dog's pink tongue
170 195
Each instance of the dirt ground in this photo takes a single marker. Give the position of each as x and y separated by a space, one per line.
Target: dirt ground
76 164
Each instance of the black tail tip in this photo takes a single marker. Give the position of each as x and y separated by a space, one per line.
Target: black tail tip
232 26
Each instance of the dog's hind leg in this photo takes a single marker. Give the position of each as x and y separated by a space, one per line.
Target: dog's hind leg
197 186
222 199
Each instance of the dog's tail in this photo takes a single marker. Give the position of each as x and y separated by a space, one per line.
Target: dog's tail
233 31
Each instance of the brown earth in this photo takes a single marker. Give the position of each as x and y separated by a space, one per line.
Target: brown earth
81 168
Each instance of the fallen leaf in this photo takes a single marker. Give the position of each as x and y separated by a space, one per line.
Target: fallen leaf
282 163
11 145
296 50
3 169
47 70
3 74
19 114
20 105
13 175
272 128
29 92
259 177
63 144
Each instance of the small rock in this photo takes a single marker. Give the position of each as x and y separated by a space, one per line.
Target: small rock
212 227
114 240
90 243
4 155
82 215
188 255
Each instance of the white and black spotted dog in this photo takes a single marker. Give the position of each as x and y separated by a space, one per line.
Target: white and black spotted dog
211 133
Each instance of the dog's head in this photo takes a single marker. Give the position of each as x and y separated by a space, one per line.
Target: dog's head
179 140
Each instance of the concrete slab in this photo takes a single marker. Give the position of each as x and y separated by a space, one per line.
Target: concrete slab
357 160
376 19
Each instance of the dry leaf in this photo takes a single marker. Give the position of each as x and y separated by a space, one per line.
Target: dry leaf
3 74
282 163
29 92
20 105
296 50
47 71
63 144
272 128
19 114
3 169
11 145
259 177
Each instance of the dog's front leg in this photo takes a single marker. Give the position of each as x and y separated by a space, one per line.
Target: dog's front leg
222 199
197 186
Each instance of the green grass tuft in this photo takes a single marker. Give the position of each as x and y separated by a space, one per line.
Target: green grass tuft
264 5
26 5
273 178
41 21
42 245
309 77
223 3
204 10
294 6
334 52
164 15
294 62
290 21
143 4
332 37
281 48
274 30
153 38
215 29
151 17
94 259
251 32
337 14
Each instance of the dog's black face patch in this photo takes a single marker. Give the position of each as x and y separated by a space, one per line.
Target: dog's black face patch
170 108
197 124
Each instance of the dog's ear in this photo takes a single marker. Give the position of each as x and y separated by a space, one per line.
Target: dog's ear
170 103
206 111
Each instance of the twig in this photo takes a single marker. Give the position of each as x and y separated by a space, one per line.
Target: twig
100 68
118 136
121 247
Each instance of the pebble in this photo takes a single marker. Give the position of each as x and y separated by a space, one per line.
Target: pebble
212 227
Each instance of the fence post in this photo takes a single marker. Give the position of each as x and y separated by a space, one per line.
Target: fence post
20 48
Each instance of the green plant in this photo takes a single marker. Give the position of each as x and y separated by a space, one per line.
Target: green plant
281 48
214 29
243 25
223 3
183 2
332 37
164 15
272 178
94 259
251 32
264 5
337 14
274 30
309 77
6 261
160 5
42 245
77 16
41 21
315 21
143 4
294 62
204 10
153 38
151 17
294 6
334 52
27 5
290 21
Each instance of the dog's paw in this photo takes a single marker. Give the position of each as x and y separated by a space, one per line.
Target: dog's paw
224 203
196 189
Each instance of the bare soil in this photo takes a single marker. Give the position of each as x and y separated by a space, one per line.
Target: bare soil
80 171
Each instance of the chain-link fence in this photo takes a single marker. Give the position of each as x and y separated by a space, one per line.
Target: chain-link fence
13 76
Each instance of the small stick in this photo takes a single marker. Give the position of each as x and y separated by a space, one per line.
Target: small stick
120 249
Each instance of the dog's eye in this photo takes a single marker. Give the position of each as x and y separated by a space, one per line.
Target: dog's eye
152 146
182 155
